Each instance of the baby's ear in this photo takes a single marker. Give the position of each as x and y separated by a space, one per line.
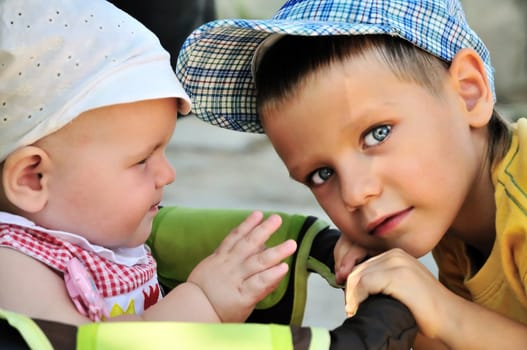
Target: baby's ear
469 79
24 178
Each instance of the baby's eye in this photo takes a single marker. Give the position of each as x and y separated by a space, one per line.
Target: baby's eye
319 176
377 135
144 160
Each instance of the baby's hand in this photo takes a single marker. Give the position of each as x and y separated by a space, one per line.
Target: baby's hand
242 271
347 255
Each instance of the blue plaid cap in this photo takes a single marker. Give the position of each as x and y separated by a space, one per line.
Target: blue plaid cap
215 61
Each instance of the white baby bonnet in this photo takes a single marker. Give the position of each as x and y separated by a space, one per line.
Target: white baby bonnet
59 58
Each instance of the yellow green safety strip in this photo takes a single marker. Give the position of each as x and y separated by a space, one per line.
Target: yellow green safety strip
191 336
28 329
174 335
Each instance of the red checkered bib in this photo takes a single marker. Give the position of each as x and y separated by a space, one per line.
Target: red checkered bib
125 289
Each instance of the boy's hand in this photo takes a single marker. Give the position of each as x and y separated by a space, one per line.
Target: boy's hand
446 320
242 271
347 255
403 277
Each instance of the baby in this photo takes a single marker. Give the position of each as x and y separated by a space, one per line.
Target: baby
88 104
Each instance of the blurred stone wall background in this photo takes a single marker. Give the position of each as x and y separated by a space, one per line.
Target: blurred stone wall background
503 27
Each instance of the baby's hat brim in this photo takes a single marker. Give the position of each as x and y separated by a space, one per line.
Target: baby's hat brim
60 58
216 61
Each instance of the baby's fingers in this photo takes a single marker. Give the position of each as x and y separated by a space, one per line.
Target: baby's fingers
254 240
262 270
269 257
240 231
259 285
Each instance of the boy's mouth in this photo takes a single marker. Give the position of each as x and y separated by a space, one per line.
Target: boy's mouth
386 224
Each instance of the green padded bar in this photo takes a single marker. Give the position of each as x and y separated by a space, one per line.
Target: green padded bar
160 335
28 329
181 237
194 336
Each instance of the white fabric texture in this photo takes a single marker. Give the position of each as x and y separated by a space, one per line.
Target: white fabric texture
59 58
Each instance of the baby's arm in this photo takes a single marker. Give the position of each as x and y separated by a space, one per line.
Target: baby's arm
224 287
32 288
440 314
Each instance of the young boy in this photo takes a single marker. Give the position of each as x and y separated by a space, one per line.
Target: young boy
385 110
88 104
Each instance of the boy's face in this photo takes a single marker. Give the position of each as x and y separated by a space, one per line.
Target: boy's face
390 162
108 172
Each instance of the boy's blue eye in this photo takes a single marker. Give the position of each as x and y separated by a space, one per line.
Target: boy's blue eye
319 176
377 135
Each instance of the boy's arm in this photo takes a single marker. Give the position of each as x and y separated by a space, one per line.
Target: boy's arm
472 326
440 314
424 343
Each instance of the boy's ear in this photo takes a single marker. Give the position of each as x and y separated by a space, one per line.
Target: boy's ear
25 179
469 79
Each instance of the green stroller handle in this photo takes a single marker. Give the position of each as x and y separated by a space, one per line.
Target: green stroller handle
182 237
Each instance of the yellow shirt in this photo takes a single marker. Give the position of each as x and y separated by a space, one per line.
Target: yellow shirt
501 282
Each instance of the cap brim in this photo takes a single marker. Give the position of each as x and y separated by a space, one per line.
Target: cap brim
215 65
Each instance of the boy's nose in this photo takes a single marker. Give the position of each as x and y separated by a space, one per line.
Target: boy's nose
358 188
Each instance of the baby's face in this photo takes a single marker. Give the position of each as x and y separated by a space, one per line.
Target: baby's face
109 170
388 161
